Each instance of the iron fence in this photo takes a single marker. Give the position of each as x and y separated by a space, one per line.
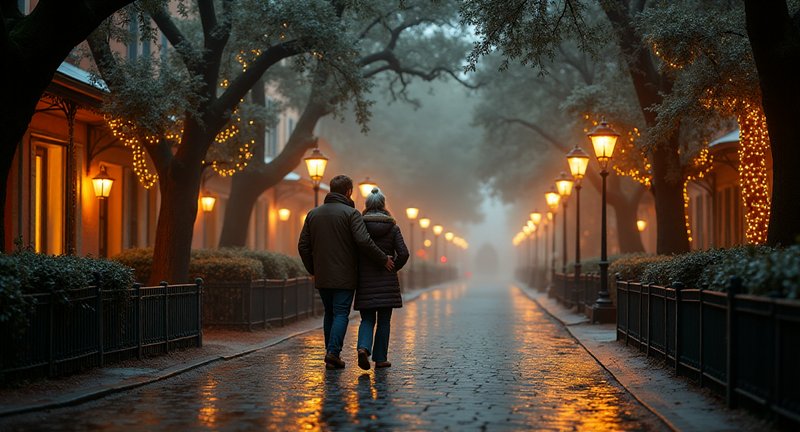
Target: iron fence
260 303
744 347
73 330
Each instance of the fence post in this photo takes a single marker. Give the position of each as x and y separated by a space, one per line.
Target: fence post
51 362
283 303
678 287
649 317
100 320
734 286
199 286
165 304
700 319
137 290
627 311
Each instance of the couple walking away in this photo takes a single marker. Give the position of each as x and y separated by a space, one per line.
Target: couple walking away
354 256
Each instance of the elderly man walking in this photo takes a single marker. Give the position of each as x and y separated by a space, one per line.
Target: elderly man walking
332 236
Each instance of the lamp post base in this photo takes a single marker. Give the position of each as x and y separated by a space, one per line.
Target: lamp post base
602 313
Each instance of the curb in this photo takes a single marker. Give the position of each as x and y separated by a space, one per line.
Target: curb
566 326
177 370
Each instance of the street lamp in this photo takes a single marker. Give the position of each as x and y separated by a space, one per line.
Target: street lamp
552 198
578 160
641 224
424 223
316 163
437 231
603 138
564 187
366 186
449 237
102 188
207 201
411 214
536 218
284 214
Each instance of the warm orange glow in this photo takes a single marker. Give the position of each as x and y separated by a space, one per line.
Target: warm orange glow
207 202
536 217
412 213
553 198
427 243
604 139
424 223
578 160
39 202
449 236
316 163
550 216
564 185
437 230
284 214
641 224
366 186
102 183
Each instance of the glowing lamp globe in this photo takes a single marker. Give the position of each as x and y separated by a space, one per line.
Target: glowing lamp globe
366 186
449 236
437 230
102 183
207 202
641 224
536 217
578 160
412 213
526 230
424 223
553 198
316 163
284 214
564 185
604 139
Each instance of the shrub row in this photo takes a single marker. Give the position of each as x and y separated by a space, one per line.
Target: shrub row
221 265
26 272
763 270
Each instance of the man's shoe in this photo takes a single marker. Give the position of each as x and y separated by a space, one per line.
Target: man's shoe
383 364
363 359
332 361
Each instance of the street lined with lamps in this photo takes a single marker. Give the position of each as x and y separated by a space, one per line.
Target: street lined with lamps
578 161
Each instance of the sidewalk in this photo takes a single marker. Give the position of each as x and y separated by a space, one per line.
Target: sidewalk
218 345
680 404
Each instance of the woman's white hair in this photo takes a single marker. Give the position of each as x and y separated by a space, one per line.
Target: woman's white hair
376 201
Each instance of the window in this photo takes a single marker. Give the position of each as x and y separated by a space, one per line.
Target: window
47 199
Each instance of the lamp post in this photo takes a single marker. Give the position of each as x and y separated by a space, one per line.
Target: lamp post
578 160
449 237
603 138
437 231
552 198
102 188
536 218
316 163
411 214
424 223
564 187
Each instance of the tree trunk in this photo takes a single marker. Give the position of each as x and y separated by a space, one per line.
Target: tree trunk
243 196
628 236
668 195
179 186
775 41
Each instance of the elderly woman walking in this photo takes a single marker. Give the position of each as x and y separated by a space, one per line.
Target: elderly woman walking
378 289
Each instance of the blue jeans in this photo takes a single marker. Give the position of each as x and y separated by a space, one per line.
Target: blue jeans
337 304
381 347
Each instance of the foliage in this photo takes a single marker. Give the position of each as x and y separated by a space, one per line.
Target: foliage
14 306
225 269
211 264
631 267
763 271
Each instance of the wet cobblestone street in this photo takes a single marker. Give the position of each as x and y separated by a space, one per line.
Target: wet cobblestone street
466 357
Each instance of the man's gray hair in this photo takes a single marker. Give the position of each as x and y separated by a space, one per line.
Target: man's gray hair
375 201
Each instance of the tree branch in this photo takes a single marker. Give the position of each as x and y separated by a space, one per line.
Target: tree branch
239 87
208 18
182 45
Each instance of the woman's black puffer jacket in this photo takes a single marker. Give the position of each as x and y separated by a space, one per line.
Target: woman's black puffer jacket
378 287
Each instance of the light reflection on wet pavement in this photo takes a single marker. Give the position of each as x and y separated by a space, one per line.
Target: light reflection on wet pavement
477 357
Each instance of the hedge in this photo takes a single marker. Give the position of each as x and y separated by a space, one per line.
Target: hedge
763 270
222 265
